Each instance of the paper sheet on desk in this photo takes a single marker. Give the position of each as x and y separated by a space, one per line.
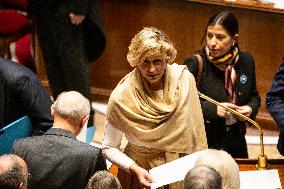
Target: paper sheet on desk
266 179
278 4
173 171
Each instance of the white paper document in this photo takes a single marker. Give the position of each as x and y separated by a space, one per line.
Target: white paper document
173 171
176 170
266 179
278 3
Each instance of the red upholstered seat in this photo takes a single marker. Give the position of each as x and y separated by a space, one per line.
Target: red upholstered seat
23 52
15 31
12 22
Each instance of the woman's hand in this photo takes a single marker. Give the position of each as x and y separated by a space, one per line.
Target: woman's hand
245 110
222 112
143 175
76 19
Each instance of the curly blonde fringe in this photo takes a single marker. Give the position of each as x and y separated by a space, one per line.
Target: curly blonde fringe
149 39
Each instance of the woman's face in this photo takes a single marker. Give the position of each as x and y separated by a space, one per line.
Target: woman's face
153 68
218 40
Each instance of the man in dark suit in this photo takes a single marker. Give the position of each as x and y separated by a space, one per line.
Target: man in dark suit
23 94
275 104
57 159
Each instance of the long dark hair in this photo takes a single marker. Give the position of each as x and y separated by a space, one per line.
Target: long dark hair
227 20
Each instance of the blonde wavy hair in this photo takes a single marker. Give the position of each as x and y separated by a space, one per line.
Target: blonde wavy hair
149 39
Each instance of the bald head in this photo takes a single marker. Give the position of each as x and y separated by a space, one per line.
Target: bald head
103 180
202 177
71 106
13 172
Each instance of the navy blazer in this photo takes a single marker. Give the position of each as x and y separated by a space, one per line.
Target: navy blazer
23 94
58 160
275 104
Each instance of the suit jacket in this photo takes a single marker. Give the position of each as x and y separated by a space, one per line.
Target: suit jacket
212 84
58 160
275 104
23 94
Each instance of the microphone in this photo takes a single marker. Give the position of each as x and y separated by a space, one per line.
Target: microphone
262 158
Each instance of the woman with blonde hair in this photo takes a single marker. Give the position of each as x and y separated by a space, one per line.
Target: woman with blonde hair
156 106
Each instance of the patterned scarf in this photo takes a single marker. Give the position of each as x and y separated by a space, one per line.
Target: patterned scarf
226 63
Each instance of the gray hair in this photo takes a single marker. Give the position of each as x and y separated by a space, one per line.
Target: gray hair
72 106
14 174
224 164
103 180
150 38
202 177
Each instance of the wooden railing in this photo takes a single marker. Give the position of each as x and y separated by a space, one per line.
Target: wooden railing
245 4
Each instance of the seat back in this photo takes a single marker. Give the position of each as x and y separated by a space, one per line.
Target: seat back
20 128
90 134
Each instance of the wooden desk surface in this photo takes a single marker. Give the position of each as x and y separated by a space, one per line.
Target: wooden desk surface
252 5
249 165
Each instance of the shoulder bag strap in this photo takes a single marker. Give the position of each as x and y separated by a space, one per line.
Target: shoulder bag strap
200 68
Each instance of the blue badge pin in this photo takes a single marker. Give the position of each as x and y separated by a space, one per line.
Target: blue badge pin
243 79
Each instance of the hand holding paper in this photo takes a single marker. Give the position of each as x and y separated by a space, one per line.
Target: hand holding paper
143 176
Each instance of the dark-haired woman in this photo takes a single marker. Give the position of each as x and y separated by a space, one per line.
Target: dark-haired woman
228 76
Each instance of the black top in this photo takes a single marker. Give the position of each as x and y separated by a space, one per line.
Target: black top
212 84
23 94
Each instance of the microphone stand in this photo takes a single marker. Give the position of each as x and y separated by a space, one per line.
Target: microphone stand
262 158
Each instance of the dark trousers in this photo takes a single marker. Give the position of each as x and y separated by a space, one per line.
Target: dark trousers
230 139
63 49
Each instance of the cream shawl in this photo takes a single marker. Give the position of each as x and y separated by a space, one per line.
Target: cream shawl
173 123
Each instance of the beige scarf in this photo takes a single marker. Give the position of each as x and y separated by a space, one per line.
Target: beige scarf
173 123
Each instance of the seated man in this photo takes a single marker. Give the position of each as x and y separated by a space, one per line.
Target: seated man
103 180
13 172
202 177
57 159
224 164
23 94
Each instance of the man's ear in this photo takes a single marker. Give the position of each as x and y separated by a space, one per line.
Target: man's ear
84 121
52 110
21 185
